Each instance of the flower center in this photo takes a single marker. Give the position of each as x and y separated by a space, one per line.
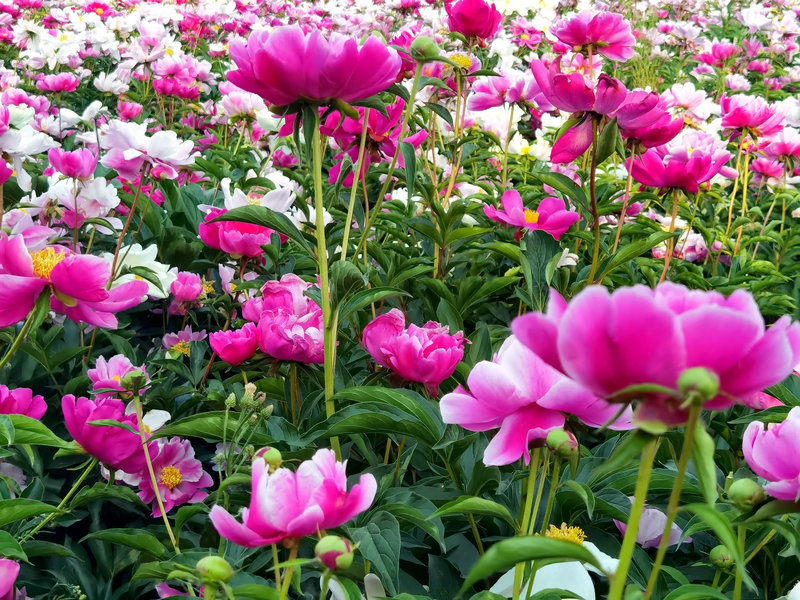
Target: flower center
44 261
531 216
462 60
568 534
171 477
182 348
208 288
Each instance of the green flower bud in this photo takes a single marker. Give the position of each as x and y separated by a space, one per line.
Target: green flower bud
334 552
214 568
720 557
745 494
272 456
424 49
700 382
562 443
134 380
230 401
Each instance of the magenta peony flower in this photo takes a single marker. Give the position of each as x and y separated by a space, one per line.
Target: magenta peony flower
750 114
604 33
179 475
287 294
427 354
290 505
79 164
21 401
288 65
525 398
115 447
635 335
771 452
288 336
58 83
108 374
237 346
188 287
474 19
77 282
9 570
643 120
237 239
651 529
551 215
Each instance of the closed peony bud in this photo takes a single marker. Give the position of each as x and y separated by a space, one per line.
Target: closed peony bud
214 568
334 552
272 456
745 494
134 380
562 443
720 557
699 381
424 49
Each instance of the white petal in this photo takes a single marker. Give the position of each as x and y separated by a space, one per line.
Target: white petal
373 587
607 563
570 576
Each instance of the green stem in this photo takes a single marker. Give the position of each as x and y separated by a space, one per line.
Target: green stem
75 487
277 568
737 582
287 576
551 495
475 533
671 240
519 570
675 496
505 148
620 578
12 350
356 173
539 491
593 197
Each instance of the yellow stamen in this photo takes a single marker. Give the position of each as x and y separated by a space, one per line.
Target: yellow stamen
462 60
44 261
98 11
568 534
531 216
116 378
208 288
63 37
169 52
171 477
182 348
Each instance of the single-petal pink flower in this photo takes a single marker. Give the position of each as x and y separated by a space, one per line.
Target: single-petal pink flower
107 375
551 215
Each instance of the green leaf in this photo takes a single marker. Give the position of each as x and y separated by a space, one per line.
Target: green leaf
17 509
503 555
630 251
723 530
410 165
132 538
10 548
703 459
584 492
471 504
113 423
695 591
774 508
346 280
349 588
253 591
6 430
416 518
536 250
623 454
102 491
210 426
41 548
261 215
441 111
563 184
607 143
379 543
361 299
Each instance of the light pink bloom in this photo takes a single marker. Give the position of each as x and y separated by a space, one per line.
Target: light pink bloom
288 336
771 451
473 18
79 164
235 346
188 287
525 398
21 401
635 335
107 375
130 148
180 342
488 92
651 529
719 53
551 215
179 475
603 33
288 505
427 354
288 65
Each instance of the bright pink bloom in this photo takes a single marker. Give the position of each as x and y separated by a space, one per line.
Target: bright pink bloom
107 375
79 164
643 120
719 53
771 451
115 447
651 529
288 336
473 18
488 92
128 111
58 83
291 505
551 215
635 335
9 570
179 475
427 354
525 398
188 287
237 239
21 401
288 294
235 346
288 65
604 33
750 114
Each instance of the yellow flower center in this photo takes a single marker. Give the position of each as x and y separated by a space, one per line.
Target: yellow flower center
116 378
98 11
182 348
63 37
462 60
44 261
171 477
169 52
208 288
568 534
253 200
525 36
531 216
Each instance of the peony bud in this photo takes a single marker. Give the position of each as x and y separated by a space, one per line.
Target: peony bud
699 381
134 380
334 552
214 568
424 49
562 443
271 456
720 557
745 494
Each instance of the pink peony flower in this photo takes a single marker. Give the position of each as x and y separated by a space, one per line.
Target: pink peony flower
179 475
237 239
651 529
288 336
179 343
79 164
603 33
771 449
290 505
188 287
115 447
474 19
21 401
287 294
642 119
108 374
9 570
288 65
427 354
525 398
235 347
58 83
750 114
635 335
551 215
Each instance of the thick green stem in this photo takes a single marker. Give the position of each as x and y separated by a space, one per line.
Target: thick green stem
356 173
287 576
519 570
675 496
276 567
595 213
620 578
737 582
551 495
12 350
474 526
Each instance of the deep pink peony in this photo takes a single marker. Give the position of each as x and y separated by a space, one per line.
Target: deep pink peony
21 401
288 65
9 570
288 336
636 335
771 451
474 18
237 239
235 346
187 287
290 505
605 33
427 354
750 114
643 119
79 164
525 398
288 293
551 215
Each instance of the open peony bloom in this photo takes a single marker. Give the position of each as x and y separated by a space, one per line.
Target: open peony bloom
771 451
474 18
107 375
288 336
288 65
290 505
427 354
525 398
636 335
235 346
9 570
237 239
643 119
603 33
79 164
77 283
751 115
21 401
551 215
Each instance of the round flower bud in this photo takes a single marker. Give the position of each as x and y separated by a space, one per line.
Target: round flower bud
230 401
271 456
424 49
720 557
745 494
214 568
699 381
562 443
134 380
334 552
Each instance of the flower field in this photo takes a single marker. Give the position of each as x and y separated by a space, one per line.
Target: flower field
399 299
